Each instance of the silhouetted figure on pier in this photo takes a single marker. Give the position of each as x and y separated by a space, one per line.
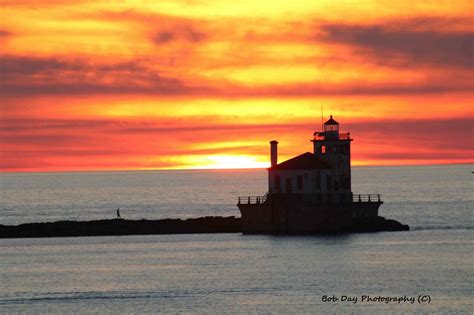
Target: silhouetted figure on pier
118 213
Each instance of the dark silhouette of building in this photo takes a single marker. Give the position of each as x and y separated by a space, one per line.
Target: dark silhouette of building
310 193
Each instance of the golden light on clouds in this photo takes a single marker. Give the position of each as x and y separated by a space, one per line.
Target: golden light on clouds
203 84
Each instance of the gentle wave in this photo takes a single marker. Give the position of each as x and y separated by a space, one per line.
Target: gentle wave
445 227
25 297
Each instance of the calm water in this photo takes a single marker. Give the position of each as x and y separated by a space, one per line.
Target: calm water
230 272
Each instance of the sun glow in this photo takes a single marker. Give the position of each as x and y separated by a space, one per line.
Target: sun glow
232 162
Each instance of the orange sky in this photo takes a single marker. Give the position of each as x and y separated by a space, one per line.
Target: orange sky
92 85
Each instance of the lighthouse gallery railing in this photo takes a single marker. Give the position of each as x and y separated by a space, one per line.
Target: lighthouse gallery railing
253 199
355 198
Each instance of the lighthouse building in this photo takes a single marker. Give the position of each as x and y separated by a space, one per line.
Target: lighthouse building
311 192
325 174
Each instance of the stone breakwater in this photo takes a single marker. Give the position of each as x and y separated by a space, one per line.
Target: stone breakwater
377 224
123 227
165 226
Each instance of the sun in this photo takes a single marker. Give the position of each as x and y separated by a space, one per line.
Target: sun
233 162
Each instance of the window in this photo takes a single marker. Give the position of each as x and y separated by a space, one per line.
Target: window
323 149
329 182
299 182
288 185
318 182
277 182
331 128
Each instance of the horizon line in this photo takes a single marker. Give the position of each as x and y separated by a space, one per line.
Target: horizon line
213 169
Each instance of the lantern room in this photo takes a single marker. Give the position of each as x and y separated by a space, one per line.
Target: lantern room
331 129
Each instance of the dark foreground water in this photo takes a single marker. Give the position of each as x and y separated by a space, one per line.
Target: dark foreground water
232 273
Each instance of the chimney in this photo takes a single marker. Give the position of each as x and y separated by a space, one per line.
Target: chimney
274 152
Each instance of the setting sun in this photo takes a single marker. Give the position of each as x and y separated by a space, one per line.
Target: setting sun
226 162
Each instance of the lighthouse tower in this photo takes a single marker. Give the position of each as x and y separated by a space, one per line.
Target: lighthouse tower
335 148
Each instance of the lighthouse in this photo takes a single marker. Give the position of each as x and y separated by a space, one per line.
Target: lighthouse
310 193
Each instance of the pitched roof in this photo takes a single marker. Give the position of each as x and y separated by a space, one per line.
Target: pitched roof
331 121
306 161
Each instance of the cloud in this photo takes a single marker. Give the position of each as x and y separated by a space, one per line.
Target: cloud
414 155
29 76
68 143
182 32
29 3
413 139
39 144
33 76
432 86
433 133
419 41
417 127
164 28
4 33
12 66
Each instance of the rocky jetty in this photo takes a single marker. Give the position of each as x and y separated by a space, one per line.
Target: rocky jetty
165 226
377 224
123 227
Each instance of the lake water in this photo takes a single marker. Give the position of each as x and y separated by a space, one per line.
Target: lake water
232 273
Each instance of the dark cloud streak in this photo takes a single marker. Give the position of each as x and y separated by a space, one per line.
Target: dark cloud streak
29 76
405 43
4 33
182 32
